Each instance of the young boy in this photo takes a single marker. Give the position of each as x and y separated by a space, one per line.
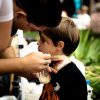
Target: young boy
68 83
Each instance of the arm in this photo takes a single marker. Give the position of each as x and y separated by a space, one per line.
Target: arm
9 53
6 16
5 30
31 63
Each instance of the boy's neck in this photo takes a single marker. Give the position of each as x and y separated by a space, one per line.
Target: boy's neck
58 61
58 57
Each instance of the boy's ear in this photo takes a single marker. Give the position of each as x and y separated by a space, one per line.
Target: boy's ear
60 45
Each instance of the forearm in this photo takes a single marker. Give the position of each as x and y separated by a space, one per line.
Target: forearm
8 53
10 65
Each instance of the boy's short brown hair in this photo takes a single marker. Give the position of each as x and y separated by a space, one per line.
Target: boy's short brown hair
67 32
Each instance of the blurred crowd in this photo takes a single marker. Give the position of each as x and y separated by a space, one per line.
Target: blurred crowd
85 13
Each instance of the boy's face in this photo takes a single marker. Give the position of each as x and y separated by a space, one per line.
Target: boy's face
46 45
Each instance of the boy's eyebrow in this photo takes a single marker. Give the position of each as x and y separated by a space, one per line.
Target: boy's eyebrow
42 35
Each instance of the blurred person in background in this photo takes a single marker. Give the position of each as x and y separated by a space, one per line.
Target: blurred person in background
84 18
95 19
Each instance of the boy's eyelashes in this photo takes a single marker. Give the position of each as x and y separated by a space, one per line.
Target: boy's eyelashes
42 39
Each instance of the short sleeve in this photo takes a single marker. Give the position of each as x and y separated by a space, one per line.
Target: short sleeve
6 10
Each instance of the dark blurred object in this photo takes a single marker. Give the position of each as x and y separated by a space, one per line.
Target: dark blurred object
69 7
4 85
97 1
86 2
16 88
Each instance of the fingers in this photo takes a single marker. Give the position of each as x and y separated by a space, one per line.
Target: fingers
52 70
47 56
47 62
45 59
36 62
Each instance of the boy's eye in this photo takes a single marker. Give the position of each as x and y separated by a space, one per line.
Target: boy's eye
42 40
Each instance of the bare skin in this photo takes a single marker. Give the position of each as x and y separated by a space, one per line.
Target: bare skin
28 63
5 31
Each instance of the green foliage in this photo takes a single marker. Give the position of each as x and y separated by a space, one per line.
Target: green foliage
88 50
31 36
93 74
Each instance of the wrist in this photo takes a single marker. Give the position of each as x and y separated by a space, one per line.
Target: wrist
19 65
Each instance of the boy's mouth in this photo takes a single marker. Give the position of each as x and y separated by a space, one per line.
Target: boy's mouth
39 49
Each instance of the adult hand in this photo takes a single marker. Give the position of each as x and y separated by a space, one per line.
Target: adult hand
50 69
35 62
